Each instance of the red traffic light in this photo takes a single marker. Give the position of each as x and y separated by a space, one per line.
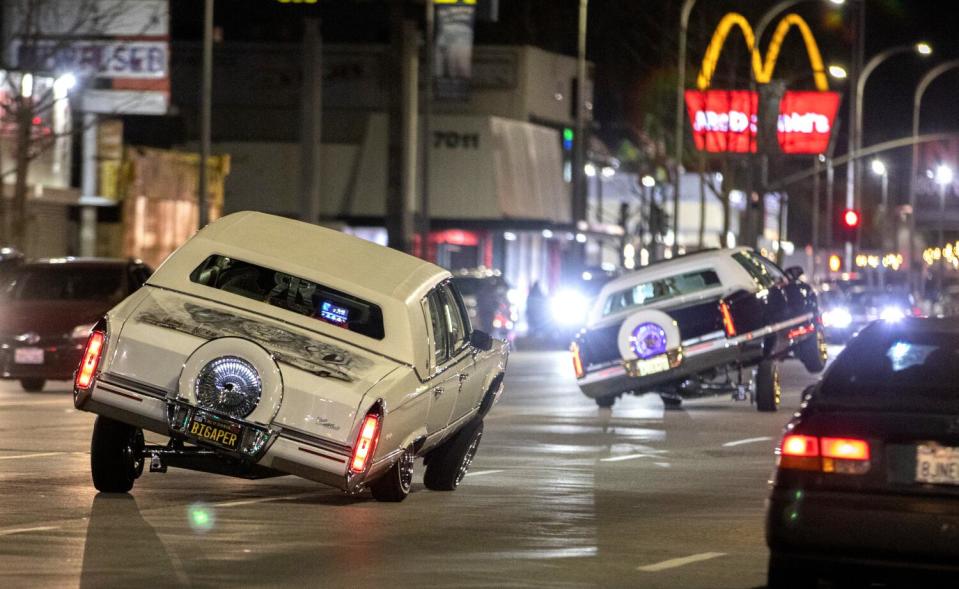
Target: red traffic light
851 218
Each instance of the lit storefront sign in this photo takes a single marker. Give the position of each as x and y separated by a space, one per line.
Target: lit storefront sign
725 121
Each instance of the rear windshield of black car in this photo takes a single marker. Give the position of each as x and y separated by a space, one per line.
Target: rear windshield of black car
892 363
660 290
58 282
291 293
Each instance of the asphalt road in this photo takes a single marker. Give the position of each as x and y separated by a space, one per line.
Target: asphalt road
561 494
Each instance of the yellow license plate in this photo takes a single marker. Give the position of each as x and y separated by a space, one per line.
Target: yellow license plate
215 431
638 368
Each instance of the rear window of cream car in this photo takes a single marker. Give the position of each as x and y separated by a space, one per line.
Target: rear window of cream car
660 289
291 293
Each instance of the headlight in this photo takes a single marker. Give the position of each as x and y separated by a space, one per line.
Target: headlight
892 314
840 318
648 340
569 307
81 332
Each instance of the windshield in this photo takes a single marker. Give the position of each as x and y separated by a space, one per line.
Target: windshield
900 363
64 283
660 290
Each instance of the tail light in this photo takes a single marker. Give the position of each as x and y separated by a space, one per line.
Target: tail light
577 360
832 455
728 324
366 442
90 361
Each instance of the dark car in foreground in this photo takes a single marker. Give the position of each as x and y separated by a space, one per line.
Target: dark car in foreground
47 309
867 483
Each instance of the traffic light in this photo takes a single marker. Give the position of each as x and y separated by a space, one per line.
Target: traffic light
567 139
849 224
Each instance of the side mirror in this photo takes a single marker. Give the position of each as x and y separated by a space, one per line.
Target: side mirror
794 272
481 340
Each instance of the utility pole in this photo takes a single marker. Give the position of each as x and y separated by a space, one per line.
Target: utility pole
424 225
580 139
311 137
402 125
206 90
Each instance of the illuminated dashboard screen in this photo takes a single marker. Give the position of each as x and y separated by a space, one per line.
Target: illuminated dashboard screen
334 313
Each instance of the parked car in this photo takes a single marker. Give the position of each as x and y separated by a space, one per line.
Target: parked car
487 296
867 481
691 325
265 346
49 308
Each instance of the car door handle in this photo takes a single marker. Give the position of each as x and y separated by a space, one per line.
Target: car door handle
437 392
463 377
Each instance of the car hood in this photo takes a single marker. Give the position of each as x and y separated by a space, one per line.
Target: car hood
48 317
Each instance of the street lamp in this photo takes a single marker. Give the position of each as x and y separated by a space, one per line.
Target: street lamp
853 177
913 170
837 71
943 177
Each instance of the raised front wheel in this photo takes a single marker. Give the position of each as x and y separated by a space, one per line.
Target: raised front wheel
116 455
449 463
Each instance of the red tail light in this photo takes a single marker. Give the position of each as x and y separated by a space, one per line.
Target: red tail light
833 455
365 443
91 360
728 324
577 361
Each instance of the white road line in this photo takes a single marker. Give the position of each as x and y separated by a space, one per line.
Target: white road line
626 457
482 472
678 562
35 455
746 441
61 401
264 499
663 464
25 530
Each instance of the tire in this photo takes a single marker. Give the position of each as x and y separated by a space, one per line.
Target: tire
784 575
395 485
449 463
32 385
116 455
671 401
812 352
605 402
768 386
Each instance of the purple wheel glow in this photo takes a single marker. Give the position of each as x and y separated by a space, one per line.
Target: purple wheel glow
648 340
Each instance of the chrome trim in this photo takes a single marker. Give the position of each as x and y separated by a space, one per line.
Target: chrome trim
132 385
704 338
301 437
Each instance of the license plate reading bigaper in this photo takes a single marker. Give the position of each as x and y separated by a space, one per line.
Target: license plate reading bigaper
28 356
217 431
937 464
652 366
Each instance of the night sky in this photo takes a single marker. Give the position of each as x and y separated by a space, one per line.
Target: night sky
633 43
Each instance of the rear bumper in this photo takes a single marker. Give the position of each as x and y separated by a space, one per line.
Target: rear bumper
696 359
858 529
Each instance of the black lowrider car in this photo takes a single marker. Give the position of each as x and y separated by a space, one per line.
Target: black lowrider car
691 325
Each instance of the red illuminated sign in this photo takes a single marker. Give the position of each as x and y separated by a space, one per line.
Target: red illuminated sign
805 121
724 121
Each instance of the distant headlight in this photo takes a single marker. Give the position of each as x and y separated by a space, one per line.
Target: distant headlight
513 296
81 332
892 314
569 308
840 318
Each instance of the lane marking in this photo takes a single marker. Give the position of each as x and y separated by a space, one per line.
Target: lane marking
25 530
626 457
30 402
678 562
746 441
35 455
264 499
663 464
482 472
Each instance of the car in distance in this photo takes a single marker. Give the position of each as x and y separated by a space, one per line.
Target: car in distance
265 346
867 480
50 306
691 325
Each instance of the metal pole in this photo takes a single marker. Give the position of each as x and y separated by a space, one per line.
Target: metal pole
206 90
830 200
580 139
88 214
679 135
858 51
427 133
815 216
941 242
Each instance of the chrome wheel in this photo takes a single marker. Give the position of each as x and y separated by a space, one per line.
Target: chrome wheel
405 468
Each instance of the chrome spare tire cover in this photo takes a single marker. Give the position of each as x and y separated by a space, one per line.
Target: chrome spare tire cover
228 385
660 324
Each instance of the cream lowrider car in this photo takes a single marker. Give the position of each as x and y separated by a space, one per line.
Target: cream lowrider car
266 346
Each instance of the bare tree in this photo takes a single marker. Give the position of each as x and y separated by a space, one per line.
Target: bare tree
34 89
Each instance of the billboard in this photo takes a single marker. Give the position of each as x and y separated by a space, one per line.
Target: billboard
726 121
